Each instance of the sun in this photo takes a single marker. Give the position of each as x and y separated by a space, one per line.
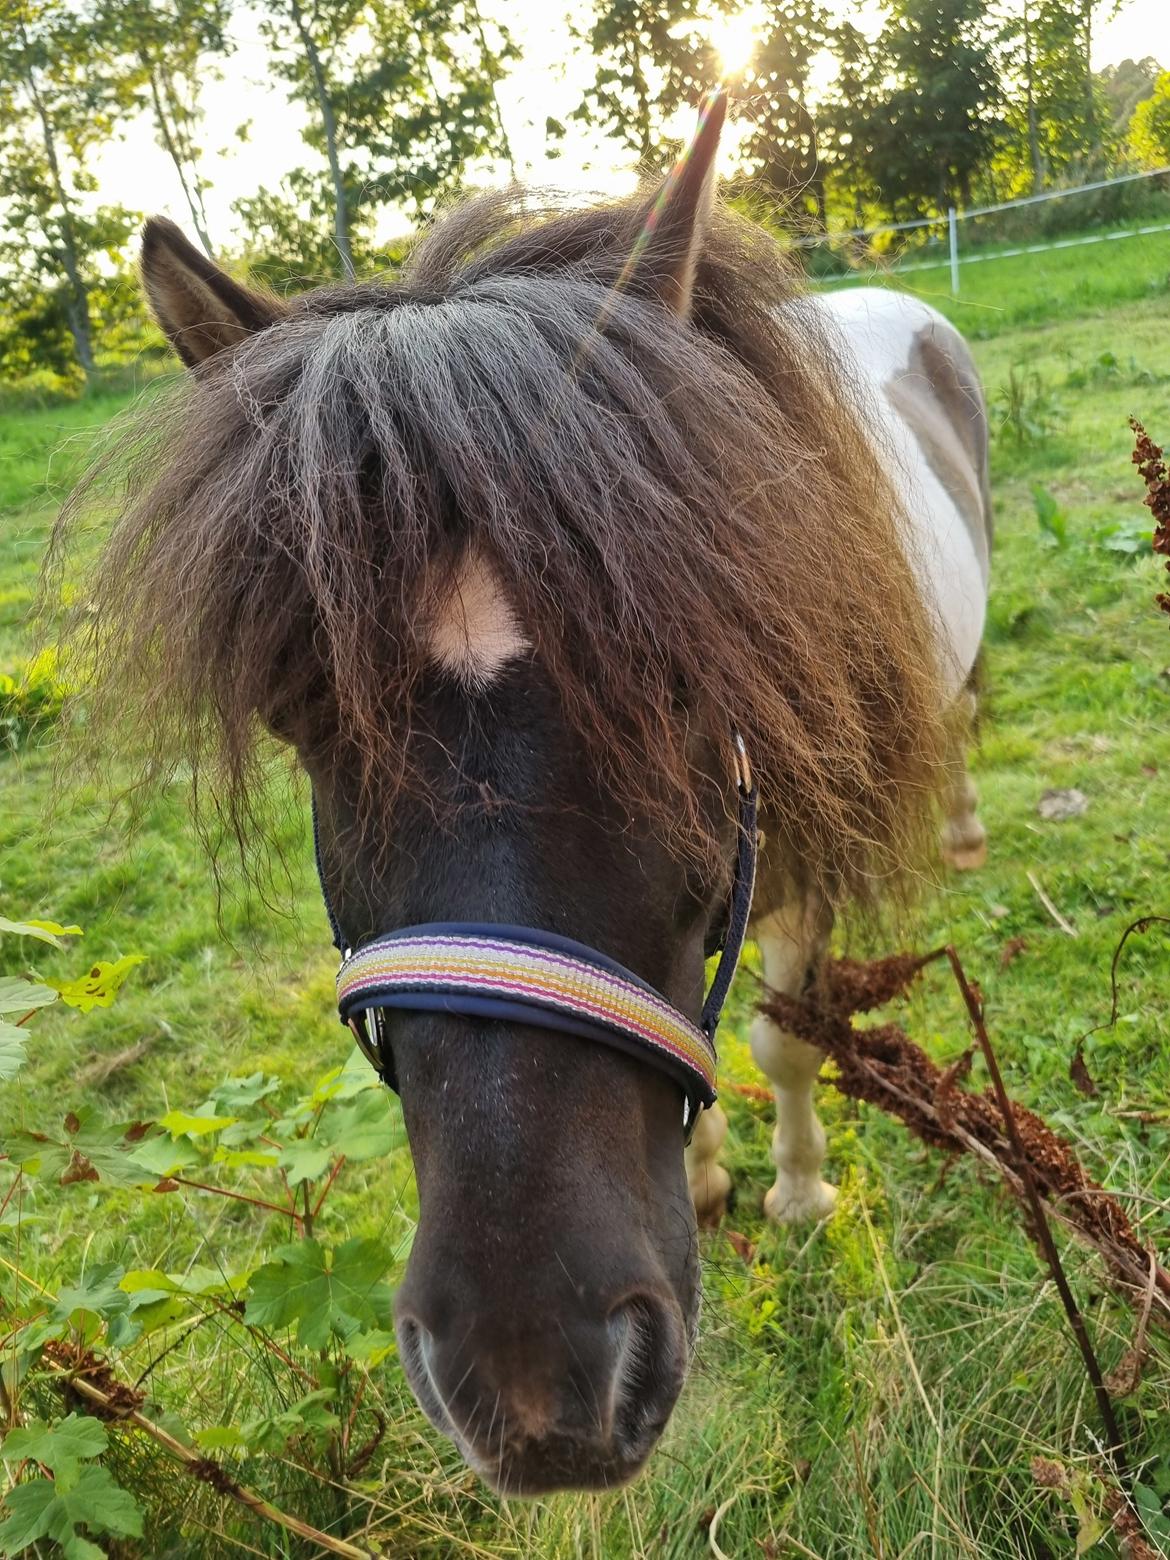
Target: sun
736 38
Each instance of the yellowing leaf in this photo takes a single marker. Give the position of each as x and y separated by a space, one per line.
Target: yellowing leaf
99 985
43 931
179 1124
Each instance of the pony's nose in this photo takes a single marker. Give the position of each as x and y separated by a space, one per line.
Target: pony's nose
568 1403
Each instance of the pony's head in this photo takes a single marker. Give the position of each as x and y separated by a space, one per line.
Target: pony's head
502 546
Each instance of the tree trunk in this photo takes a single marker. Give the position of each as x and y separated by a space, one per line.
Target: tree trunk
1091 131
77 307
186 150
324 102
484 51
1033 132
168 139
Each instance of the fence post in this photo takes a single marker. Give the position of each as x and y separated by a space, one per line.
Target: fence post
953 242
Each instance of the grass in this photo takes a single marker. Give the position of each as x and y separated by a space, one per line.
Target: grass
998 295
874 1387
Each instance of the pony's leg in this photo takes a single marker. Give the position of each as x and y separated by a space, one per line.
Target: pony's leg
964 839
792 942
707 1179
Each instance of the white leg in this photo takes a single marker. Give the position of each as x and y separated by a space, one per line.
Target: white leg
708 1180
964 839
792 942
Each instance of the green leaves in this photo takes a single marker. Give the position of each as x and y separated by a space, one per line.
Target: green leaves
43 931
61 1448
18 998
1051 516
76 1497
83 1149
45 1509
321 1292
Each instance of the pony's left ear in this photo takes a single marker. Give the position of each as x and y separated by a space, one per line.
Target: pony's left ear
200 308
672 231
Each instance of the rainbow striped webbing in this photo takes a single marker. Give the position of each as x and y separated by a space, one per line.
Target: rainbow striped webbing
520 975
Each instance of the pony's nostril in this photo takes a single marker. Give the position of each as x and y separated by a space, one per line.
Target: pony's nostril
650 1348
415 1346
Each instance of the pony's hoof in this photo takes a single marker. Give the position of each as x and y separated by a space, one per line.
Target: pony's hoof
710 1193
967 858
799 1202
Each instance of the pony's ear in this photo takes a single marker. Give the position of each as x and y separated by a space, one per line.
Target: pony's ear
199 307
672 231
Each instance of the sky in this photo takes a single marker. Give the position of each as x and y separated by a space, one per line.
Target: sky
548 80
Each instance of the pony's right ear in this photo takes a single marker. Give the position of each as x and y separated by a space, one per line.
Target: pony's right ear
198 306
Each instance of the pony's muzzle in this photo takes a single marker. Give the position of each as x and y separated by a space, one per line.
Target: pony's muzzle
575 1402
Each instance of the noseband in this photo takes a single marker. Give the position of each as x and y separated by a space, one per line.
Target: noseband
522 975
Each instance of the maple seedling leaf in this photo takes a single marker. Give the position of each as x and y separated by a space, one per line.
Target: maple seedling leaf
61 1447
323 1292
43 931
99 985
51 1509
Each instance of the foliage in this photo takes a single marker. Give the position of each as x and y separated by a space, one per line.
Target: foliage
917 110
1023 409
652 59
162 51
54 106
31 700
1149 129
782 149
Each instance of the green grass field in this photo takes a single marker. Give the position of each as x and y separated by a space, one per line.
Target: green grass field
876 1386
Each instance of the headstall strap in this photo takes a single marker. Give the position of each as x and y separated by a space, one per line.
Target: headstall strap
523 975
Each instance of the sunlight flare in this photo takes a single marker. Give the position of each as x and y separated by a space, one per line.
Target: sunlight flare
736 38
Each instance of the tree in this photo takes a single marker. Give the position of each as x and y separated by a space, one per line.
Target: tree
652 58
782 148
1149 129
401 94
164 47
916 114
1053 97
54 105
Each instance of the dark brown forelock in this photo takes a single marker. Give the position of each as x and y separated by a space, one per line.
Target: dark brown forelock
681 513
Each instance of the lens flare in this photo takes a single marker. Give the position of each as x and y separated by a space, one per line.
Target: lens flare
736 38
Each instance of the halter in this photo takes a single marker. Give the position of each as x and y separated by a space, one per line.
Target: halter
520 974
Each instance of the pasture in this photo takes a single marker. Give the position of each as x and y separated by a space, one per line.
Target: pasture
875 1386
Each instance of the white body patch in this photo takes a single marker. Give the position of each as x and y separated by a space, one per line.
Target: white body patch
877 330
475 632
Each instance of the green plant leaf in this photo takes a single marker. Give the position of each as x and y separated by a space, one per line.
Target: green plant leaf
20 996
99 985
61 1447
1051 517
43 931
311 1416
162 1155
322 1293
82 1150
361 1128
42 1509
304 1159
179 1124
234 1095
99 1291
13 1049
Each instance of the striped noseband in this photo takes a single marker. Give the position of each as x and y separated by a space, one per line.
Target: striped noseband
521 975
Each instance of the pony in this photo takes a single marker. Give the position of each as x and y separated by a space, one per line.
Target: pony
503 547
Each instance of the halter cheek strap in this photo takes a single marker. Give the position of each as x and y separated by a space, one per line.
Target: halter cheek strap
520 974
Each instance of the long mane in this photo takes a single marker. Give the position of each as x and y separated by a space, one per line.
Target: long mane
685 515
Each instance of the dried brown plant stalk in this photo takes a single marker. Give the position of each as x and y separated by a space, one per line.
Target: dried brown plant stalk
882 1064
1147 457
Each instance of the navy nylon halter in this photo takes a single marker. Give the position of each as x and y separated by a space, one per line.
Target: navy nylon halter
527 975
